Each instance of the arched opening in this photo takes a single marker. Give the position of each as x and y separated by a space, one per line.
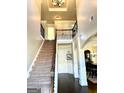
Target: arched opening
90 53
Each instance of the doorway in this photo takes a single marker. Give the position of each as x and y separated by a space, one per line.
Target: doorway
51 33
65 60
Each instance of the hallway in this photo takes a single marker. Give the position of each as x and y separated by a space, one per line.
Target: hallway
67 84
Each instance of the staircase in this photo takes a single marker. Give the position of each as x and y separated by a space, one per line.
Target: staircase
40 79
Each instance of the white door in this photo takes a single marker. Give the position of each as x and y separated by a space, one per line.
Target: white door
51 33
65 64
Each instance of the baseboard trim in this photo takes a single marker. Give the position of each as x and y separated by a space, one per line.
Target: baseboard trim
30 69
42 37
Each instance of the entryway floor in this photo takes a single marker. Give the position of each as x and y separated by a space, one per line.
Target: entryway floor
67 84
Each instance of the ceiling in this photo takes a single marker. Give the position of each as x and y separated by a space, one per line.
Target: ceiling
80 10
65 13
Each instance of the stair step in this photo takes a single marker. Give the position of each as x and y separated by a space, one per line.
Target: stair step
44 58
38 86
39 79
40 72
43 53
47 50
33 90
43 61
43 68
40 75
43 64
39 82
46 55
48 63
40 62
33 81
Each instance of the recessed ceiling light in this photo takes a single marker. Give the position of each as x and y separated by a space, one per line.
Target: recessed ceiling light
57 17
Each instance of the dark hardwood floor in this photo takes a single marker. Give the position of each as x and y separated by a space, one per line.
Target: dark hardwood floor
92 88
67 84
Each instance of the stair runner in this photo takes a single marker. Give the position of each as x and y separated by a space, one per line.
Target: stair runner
40 76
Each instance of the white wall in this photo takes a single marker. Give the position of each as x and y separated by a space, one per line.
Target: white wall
86 9
82 66
34 39
86 28
75 58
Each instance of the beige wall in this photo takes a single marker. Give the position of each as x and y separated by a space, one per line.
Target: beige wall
34 39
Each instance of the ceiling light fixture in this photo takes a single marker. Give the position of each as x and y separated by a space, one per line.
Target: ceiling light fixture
57 17
58 3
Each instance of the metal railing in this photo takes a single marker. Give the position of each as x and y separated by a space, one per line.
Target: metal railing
55 90
64 35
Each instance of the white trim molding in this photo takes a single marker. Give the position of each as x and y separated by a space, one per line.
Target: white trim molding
42 37
30 68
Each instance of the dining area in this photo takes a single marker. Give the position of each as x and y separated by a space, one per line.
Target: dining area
91 66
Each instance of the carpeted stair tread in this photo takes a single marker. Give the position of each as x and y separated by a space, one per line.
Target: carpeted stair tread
33 90
41 69
40 72
39 82
45 59
40 76
38 85
43 64
38 79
